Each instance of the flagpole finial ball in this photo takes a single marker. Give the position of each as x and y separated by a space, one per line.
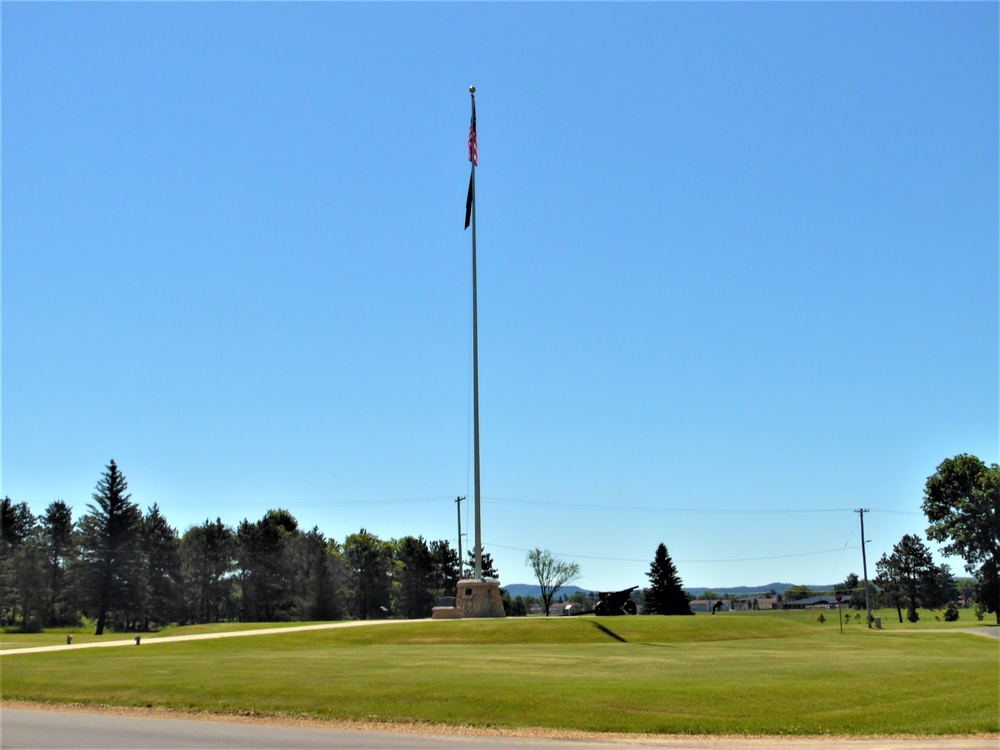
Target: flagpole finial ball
472 89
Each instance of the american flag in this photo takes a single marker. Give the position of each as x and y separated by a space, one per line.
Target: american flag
473 143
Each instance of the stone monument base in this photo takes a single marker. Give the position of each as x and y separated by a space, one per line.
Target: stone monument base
446 613
479 598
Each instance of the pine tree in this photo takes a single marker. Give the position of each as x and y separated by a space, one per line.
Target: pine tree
489 569
665 595
902 575
16 524
57 540
413 577
265 569
207 553
161 554
109 566
446 568
317 582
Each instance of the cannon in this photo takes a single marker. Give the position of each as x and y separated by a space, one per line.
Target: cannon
615 602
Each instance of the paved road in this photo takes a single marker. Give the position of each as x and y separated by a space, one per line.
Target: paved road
23 728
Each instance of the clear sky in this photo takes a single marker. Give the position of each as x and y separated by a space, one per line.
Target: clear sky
738 271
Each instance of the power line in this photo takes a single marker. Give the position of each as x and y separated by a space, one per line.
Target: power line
359 503
632 559
653 509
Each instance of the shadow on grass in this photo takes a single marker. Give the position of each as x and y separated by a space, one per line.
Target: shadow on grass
610 632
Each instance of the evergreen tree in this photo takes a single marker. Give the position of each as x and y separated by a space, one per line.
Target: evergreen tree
489 569
264 565
109 563
161 558
665 595
445 562
23 583
16 525
318 578
57 541
414 578
32 581
368 562
207 553
904 574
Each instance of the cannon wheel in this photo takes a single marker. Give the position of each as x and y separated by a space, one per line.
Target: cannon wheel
629 607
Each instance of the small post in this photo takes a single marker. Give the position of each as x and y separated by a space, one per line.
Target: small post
137 640
69 639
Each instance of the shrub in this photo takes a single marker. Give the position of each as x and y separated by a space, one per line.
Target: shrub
951 612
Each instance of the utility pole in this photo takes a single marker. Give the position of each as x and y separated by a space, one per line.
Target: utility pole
864 564
461 564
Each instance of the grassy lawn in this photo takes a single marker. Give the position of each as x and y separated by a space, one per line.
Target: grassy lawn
753 673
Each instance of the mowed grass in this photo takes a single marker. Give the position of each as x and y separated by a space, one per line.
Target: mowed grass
759 673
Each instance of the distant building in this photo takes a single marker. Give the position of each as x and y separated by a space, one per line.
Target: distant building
827 601
735 605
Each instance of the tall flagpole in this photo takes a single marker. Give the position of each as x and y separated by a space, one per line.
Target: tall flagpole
474 158
478 597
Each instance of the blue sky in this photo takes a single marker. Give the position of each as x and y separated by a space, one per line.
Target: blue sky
738 270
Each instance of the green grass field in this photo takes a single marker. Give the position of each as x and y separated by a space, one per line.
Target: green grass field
753 673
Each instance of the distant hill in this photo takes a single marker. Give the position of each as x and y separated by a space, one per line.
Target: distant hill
529 589
780 588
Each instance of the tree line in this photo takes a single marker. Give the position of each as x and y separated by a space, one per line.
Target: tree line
119 568
122 569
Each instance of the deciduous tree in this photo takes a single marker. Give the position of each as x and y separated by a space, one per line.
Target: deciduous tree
552 574
962 504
